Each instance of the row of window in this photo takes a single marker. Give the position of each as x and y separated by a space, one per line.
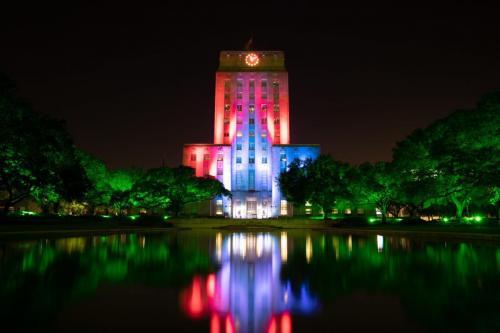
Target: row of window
251 160
251 86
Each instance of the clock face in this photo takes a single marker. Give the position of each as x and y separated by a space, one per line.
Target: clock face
252 59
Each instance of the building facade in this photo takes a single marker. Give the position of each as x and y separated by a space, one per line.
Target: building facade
251 135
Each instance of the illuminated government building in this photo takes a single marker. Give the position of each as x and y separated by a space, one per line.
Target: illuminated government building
251 135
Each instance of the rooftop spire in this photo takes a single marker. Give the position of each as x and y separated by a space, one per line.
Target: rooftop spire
248 44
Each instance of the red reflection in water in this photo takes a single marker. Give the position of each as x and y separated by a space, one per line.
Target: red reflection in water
211 285
229 325
195 302
272 326
215 324
286 323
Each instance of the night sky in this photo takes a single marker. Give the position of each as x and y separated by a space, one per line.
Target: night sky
134 83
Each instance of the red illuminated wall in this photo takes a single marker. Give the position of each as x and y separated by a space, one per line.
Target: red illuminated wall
233 68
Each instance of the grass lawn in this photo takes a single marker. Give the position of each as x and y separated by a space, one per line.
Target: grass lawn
32 226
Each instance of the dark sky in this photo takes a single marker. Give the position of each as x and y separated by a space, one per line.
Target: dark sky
135 83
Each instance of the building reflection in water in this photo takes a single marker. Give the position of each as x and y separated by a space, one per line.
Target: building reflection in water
246 295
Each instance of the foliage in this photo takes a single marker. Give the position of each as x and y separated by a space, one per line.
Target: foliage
378 185
294 182
454 157
322 182
37 156
172 188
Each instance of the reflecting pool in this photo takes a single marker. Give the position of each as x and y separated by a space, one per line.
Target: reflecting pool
271 282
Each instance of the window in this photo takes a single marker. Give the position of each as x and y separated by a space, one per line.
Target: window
264 160
227 90
238 159
220 167
206 157
276 108
308 209
238 146
239 108
282 161
276 92
347 211
251 133
238 134
226 134
251 121
251 180
193 157
239 121
227 107
276 121
251 90
263 121
283 207
239 180
251 108
251 160
264 135
251 146
226 120
239 88
263 88
264 145
218 207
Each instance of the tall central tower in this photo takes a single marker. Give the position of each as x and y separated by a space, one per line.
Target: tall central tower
251 134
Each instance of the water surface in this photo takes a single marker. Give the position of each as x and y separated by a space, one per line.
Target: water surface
272 282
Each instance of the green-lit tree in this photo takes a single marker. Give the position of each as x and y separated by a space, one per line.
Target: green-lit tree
173 188
153 189
37 156
322 182
99 194
294 183
379 185
455 156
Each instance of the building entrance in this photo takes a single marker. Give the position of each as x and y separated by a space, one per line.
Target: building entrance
251 208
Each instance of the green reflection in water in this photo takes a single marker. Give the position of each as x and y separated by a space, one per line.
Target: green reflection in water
443 286
39 278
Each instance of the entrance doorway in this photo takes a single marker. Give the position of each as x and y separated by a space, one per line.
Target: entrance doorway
251 208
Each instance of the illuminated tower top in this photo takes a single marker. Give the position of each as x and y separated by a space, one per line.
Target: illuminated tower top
251 61
251 99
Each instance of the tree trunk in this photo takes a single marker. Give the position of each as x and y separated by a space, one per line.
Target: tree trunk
459 205
6 207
